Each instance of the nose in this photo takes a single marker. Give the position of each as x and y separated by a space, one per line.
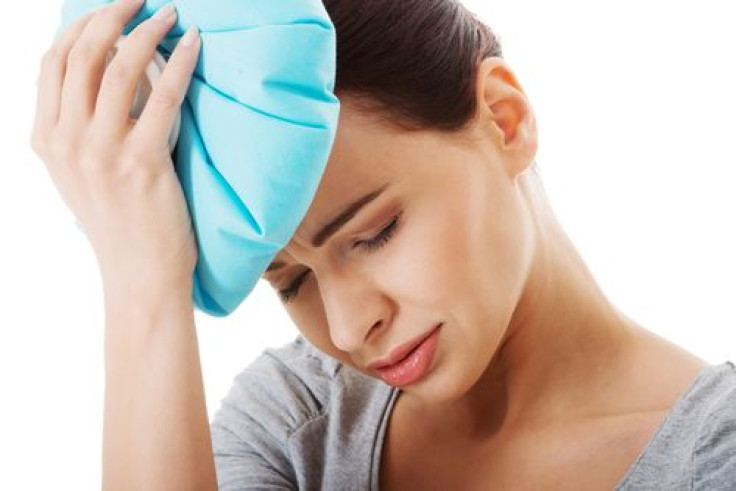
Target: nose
354 309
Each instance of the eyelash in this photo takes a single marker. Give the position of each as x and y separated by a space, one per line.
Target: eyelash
368 245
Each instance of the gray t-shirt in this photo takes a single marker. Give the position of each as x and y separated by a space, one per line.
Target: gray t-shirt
296 418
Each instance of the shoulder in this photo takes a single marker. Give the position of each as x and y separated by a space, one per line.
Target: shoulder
276 395
291 386
296 418
714 452
272 398
282 389
694 446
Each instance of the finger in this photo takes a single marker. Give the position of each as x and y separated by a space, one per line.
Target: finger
86 61
120 80
158 116
51 78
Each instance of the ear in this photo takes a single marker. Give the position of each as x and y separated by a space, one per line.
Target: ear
506 114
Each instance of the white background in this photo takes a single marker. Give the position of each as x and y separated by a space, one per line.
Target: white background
635 102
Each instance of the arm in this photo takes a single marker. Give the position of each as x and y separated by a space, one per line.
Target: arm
118 177
155 432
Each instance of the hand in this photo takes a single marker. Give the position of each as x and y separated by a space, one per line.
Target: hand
114 172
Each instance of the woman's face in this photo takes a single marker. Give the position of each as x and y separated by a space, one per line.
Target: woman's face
444 241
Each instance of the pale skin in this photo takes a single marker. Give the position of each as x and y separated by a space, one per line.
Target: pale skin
538 380
116 175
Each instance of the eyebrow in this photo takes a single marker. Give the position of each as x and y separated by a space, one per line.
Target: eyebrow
347 214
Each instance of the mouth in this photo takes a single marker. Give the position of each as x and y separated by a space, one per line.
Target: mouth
401 352
414 365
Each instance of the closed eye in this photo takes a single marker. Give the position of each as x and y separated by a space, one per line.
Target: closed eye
382 237
288 294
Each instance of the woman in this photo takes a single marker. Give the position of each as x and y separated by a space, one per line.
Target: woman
430 240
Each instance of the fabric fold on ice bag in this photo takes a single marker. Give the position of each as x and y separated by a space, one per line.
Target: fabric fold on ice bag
257 126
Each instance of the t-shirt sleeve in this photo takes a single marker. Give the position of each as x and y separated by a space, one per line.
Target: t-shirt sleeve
246 456
251 429
714 456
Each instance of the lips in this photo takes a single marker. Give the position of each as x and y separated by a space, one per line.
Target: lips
402 351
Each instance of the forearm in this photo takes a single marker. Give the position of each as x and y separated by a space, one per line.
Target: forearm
156 431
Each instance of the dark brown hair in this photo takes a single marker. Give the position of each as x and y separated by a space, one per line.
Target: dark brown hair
412 60
412 64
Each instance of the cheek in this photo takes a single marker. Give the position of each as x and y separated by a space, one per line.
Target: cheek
442 247
463 253
426 262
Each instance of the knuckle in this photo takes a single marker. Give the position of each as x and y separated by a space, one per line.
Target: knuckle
136 170
87 165
96 152
116 75
63 150
132 159
92 159
64 144
80 55
164 98
38 143
96 148
92 165
104 13
148 29
52 55
111 17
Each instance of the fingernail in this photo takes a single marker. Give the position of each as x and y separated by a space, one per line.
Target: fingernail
166 12
190 36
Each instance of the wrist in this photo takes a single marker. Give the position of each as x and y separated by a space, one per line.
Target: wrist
146 299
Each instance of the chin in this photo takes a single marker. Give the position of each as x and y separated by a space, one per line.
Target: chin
444 385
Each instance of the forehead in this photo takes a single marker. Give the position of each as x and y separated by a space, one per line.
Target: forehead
362 163
368 153
363 158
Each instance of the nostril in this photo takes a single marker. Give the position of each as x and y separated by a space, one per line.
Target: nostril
374 327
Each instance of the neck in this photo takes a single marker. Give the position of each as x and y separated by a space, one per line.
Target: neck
564 344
